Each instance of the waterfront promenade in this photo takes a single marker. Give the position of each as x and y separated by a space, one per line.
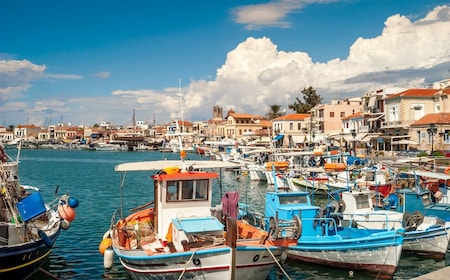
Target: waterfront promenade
441 274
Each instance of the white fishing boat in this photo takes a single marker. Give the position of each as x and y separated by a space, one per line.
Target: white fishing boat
179 235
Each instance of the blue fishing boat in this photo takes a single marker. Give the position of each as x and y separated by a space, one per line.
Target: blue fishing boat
420 196
324 239
424 235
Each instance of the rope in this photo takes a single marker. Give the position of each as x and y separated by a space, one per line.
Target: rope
278 263
187 263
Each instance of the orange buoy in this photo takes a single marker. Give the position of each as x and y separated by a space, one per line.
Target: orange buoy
66 212
105 244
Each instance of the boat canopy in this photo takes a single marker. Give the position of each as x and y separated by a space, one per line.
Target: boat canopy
161 164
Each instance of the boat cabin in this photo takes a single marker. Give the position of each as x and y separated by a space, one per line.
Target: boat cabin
182 202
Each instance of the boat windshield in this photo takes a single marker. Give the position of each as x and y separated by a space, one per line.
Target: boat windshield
187 190
300 199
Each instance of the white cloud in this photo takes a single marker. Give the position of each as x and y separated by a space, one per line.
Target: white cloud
272 14
19 72
64 76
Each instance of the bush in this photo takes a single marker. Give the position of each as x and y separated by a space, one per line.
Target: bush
422 154
438 154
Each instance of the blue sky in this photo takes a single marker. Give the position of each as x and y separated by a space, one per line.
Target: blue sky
83 62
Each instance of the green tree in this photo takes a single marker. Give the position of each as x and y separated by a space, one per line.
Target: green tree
274 112
10 127
310 100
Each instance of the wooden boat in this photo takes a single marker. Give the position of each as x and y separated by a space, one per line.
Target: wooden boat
179 235
28 226
326 241
424 235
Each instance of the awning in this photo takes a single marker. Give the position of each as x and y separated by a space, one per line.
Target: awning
278 137
405 142
298 139
372 101
360 136
370 136
375 118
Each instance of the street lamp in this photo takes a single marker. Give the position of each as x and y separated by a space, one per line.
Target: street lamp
353 132
432 131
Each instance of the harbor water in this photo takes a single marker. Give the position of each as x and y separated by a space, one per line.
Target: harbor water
89 176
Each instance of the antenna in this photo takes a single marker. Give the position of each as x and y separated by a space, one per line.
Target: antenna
181 104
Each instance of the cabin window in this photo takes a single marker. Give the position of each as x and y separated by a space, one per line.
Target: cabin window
187 190
293 199
362 201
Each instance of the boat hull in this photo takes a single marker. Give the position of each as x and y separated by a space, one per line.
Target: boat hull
432 242
377 255
381 261
252 262
22 260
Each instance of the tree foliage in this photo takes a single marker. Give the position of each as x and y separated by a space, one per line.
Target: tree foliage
274 112
310 100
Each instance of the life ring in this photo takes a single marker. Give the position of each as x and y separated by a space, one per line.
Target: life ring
447 170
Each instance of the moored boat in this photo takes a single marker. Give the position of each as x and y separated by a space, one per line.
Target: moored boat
325 240
424 235
179 235
28 226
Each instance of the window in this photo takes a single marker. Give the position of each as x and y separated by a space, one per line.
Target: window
331 114
342 114
187 190
291 126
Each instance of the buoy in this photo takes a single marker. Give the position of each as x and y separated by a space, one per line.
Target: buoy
105 244
66 212
73 202
48 242
108 258
65 224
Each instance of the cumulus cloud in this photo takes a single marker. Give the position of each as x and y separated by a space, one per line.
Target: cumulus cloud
256 73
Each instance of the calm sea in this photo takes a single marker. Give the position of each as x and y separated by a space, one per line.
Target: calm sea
89 176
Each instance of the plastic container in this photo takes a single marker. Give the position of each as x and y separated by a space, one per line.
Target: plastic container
31 206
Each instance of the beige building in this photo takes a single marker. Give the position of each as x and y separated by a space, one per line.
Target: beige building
327 118
240 126
294 128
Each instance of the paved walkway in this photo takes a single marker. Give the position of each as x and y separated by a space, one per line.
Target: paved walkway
441 274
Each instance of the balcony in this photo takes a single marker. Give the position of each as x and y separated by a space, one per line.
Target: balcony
394 124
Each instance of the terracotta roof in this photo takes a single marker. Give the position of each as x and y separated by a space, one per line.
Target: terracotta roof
355 115
437 118
292 117
418 92
246 116
186 123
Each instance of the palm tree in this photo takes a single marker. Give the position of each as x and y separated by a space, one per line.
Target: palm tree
275 112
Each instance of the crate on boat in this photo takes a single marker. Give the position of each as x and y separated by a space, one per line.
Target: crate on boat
31 206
